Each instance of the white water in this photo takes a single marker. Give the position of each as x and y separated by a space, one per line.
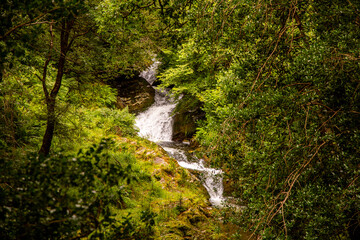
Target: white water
156 124
212 178
150 73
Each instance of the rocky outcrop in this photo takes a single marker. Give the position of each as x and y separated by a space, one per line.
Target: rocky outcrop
184 126
135 93
187 113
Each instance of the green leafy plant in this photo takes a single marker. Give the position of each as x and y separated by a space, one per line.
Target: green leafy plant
279 86
61 196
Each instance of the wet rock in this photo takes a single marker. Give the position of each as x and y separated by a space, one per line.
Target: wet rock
133 92
184 126
186 142
229 187
187 113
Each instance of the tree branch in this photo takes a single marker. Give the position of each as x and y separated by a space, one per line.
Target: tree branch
27 23
48 59
64 48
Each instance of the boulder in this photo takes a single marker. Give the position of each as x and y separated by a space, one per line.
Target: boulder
187 113
184 126
135 93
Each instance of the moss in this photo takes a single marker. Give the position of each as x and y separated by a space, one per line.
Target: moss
194 216
171 236
172 193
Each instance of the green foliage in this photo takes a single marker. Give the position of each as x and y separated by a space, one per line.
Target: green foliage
119 121
282 111
75 40
55 58
62 196
85 110
278 81
88 194
191 70
22 109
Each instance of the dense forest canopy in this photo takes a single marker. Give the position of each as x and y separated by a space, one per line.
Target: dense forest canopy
278 82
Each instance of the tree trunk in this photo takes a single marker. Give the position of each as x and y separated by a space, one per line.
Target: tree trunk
51 97
50 127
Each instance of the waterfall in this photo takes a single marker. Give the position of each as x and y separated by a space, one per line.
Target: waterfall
212 178
150 73
156 124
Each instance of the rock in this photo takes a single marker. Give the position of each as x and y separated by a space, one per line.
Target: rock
141 151
187 113
160 161
179 228
194 216
229 187
135 93
184 126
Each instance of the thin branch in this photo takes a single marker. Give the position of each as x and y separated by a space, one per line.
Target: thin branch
137 7
306 120
263 66
37 23
64 48
291 180
48 59
79 35
329 119
26 23
290 137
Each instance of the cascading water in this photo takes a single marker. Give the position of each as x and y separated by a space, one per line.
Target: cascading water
156 124
150 73
212 178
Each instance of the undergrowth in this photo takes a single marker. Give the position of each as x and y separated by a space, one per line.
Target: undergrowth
100 180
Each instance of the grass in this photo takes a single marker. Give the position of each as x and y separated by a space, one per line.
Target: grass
159 188
179 202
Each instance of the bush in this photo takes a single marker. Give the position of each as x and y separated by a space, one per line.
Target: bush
61 197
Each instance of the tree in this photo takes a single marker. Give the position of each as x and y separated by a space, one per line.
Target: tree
17 15
279 83
79 40
27 19
50 97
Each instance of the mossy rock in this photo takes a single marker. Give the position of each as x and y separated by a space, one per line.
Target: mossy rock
187 113
171 236
178 228
194 216
184 126
228 187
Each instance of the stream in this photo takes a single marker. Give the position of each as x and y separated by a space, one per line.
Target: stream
156 124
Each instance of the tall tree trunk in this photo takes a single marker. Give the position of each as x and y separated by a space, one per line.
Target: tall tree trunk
1 73
51 97
50 127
